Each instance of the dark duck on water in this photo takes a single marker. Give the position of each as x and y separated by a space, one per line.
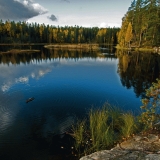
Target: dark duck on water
30 99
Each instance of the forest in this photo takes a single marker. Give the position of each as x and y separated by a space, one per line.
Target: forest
140 29
23 32
141 25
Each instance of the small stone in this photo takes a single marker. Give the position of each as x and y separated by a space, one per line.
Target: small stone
96 157
137 138
145 139
153 138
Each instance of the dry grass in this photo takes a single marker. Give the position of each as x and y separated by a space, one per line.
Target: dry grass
74 46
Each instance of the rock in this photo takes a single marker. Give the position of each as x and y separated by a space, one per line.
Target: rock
121 155
115 154
105 155
137 138
137 148
153 138
152 157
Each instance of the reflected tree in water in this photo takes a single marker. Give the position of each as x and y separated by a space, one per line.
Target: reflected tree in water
138 70
50 54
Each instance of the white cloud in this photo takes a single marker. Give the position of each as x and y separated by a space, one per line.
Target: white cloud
38 8
25 3
20 9
103 25
34 6
72 20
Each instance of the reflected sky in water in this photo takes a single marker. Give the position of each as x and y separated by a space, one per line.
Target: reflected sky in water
64 90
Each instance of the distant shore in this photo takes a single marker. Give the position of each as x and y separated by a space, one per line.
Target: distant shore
18 51
68 46
74 46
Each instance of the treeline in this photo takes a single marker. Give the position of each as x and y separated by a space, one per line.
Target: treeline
23 32
141 25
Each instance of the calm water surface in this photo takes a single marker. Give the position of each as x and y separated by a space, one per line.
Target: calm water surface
65 85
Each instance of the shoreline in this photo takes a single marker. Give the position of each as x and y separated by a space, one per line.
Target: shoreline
155 49
74 46
19 51
140 146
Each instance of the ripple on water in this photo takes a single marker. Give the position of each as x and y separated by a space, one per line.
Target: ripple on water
6 118
8 110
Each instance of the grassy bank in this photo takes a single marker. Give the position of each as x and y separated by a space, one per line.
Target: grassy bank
74 46
108 126
102 129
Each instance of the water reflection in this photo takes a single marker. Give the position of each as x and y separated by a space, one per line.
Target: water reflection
50 54
138 70
65 84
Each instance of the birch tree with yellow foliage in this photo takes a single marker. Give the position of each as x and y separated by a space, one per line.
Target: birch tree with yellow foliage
129 35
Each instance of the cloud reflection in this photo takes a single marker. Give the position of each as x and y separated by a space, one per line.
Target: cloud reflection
11 76
22 80
5 87
20 77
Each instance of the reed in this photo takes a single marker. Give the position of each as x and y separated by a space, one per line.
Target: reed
102 129
79 135
128 124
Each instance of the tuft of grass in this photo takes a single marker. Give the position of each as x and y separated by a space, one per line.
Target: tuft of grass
103 128
100 131
79 135
79 132
128 124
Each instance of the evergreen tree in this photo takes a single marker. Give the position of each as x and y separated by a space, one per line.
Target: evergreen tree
144 16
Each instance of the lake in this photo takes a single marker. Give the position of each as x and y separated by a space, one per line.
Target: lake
65 85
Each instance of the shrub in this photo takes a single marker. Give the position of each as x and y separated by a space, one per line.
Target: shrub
150 108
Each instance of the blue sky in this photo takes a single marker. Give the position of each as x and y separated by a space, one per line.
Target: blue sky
88 13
